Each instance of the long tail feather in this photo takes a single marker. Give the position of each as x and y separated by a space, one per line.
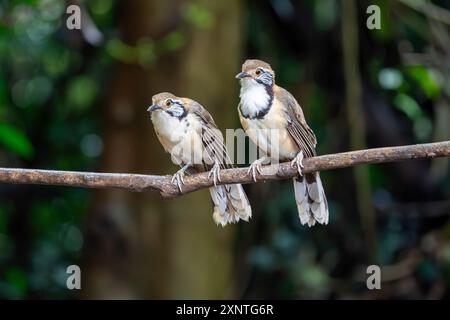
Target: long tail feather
311 200
230 204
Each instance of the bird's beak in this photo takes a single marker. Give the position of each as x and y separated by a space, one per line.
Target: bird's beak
153 107
242 75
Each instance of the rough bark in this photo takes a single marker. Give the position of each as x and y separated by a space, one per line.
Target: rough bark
282 171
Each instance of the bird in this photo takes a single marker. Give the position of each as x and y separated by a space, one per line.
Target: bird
265 109
188 132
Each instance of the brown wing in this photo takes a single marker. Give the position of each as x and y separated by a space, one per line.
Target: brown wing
230 201
212 139
299 130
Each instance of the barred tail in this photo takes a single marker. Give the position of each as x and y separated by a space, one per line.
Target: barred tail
311 200
230 204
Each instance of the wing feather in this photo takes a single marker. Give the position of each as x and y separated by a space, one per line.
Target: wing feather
299 130
212 138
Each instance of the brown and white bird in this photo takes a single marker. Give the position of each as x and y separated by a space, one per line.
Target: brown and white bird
266 108
188 132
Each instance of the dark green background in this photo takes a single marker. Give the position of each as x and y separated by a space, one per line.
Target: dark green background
58 97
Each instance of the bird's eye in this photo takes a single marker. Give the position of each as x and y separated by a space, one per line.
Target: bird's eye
258 72
168 103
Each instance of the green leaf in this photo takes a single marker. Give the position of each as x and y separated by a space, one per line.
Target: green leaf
426 79
408 105
15 140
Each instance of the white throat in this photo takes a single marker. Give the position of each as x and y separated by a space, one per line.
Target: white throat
254 97
167 125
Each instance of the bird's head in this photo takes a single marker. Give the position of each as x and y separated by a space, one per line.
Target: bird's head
169 103
256 72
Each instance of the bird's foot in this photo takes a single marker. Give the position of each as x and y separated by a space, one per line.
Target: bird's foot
298 162
255 167
215 173
178 177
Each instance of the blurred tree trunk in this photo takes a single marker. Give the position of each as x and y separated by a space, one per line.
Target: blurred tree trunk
356 121
139 246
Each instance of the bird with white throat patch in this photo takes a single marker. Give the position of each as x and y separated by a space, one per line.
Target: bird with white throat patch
188 132
274 121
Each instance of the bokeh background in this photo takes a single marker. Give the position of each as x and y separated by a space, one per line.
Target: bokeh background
76 100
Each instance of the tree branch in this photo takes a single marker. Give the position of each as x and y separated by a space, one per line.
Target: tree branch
163 184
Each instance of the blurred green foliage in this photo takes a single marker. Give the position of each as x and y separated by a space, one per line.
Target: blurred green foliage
49 118
15 140
51 94
301 39
198 15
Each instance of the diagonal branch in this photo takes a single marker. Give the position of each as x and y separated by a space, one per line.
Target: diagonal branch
163 184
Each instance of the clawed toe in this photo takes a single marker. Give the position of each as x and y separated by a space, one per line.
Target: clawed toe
298 163
215 173
178 179
254 167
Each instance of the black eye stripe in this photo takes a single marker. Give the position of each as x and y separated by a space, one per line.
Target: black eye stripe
177 110
265 78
